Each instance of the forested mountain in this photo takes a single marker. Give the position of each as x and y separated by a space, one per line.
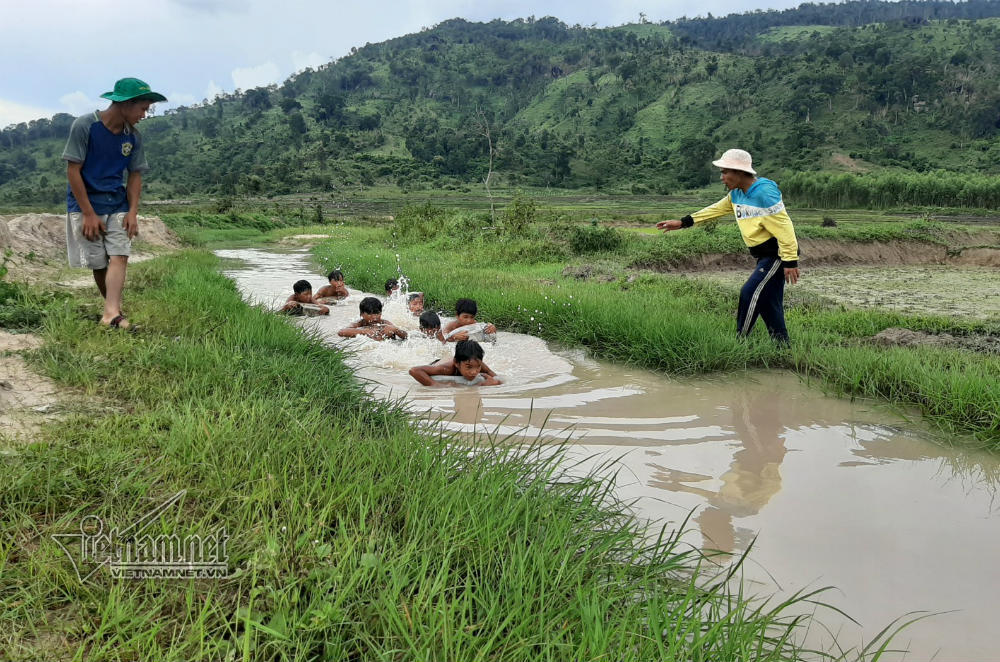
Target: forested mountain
853 86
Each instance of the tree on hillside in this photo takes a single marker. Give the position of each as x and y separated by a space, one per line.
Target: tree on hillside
257 99
693 161
483 128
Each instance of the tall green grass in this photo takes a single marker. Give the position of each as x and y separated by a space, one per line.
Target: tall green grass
353 537
687 326
892 189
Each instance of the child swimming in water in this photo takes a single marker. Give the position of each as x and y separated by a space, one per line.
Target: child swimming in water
335 290
302 293
430 325
371 323
465 315
467 368
415 302
391 285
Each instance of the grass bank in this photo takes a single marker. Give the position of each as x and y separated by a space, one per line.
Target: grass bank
683 325
350 535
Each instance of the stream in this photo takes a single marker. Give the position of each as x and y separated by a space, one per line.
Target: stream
830 492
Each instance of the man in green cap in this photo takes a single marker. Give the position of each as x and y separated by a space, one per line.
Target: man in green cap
101 206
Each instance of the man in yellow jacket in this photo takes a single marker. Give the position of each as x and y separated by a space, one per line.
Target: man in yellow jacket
768 233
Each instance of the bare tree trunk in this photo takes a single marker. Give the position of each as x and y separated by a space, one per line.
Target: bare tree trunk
484 130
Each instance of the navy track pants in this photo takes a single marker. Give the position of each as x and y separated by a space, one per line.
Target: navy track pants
763 295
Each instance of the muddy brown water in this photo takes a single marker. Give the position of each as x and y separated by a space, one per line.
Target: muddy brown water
831 492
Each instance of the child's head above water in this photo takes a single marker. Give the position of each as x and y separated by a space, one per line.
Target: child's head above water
465 311
430 323
415 302
370 306
302 286
335 276
469 358
391 285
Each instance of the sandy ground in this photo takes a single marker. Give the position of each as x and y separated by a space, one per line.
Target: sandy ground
37 245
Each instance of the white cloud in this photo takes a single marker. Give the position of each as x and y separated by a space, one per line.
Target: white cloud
249 77
212 90
78 103
15 113
302 60
175 99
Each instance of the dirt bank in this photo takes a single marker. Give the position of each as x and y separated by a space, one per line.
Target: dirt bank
37 254
38 243
827 252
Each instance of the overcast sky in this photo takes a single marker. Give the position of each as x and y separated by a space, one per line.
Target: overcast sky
61 55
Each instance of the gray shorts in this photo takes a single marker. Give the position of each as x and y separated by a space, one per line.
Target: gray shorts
83 252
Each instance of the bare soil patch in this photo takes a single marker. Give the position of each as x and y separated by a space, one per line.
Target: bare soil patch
900 337
846 162
962 291
27 399
38 243
826 252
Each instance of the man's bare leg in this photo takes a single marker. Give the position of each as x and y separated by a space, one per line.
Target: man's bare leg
100 276
114 281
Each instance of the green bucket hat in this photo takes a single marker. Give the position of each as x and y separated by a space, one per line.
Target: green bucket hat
128 89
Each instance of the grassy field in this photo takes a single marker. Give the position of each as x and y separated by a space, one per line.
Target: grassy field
350 535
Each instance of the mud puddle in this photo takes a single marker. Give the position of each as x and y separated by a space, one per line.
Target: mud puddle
836 493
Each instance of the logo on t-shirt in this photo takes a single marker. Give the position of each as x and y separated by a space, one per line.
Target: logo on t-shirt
126 148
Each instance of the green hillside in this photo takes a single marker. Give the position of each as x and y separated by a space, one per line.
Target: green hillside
636 107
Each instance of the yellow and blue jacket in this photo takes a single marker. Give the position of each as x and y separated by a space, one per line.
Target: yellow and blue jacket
760 213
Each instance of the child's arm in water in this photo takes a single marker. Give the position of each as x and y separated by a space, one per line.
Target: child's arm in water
491 377
390 330
456 337
423 373
323 310
355 329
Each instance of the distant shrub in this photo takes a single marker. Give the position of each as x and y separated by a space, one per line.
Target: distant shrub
828 222
464 225
518 215
594 239
419 221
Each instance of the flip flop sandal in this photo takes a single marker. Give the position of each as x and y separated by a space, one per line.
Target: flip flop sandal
116 323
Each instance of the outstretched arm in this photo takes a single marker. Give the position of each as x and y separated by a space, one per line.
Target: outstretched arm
720 208
424 373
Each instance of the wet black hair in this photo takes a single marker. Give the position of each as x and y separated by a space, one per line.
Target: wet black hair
370 306
466 306
430 320
390 285
413 295
336 274
301 286
468 349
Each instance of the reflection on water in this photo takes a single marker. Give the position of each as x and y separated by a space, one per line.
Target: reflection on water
834 492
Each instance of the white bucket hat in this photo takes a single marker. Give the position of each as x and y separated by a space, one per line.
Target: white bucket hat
736 159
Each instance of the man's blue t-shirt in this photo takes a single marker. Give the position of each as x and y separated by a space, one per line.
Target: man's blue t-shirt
105 157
